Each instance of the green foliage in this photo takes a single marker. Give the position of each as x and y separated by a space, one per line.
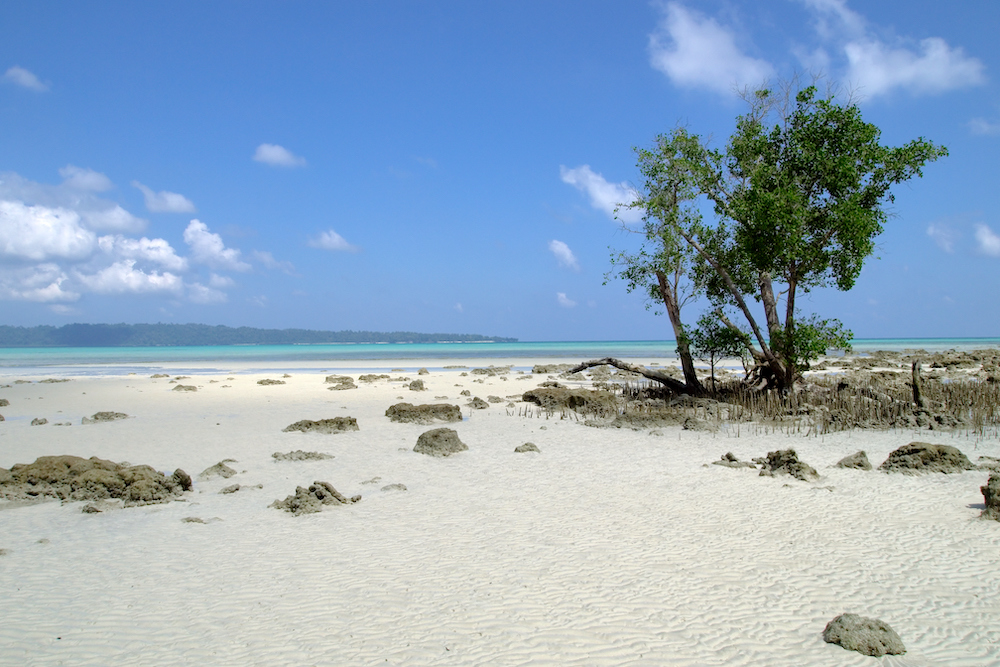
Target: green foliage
714 340
811 338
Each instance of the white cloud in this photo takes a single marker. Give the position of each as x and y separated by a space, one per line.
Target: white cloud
269 262
74 194
163 201
604 196
278 156
157 251
122 277
564 255
79 178
198 293
37 233
114 219
984 127
22 77
459 308
988 242
220 282
875 67
943 236
564 301
42 284
331 240
207 248
695 51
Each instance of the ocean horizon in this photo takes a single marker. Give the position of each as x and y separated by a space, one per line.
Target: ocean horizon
122 360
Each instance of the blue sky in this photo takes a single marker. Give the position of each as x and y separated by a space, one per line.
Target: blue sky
450 166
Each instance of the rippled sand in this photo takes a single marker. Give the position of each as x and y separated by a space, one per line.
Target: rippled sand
609 547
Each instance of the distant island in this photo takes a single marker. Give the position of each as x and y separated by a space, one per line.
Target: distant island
157 335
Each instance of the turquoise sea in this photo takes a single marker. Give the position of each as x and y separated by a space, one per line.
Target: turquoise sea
123 360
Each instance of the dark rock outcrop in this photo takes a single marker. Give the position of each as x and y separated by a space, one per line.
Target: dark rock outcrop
326 426
526 447
185 387
581 400
312 499
439 442
417 385
269 381
340 382
868 636
424 414
75 478
922 457
786 462
858 460
991 497
477 403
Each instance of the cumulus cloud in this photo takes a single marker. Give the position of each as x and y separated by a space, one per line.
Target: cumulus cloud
22 77
874 66
163 201
278 156
943 236
42 284
564 255
603 195
331 240
987 241
696 51
564 300
122 277
79 178
207 248
75 193
38 233
157 251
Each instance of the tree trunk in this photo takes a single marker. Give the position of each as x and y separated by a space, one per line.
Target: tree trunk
673 309
672 384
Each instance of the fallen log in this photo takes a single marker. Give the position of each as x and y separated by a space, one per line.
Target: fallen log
673 384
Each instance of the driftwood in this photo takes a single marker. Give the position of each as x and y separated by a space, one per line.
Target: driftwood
673 384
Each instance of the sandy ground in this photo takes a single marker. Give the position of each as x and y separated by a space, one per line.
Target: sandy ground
609 547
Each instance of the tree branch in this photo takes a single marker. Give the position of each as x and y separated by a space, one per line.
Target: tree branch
672 384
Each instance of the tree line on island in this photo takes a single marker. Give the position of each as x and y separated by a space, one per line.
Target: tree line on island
157 335
798 194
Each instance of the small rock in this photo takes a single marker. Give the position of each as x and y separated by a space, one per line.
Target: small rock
156 376
185 387
478 404
868 636
299 455
306 501
417 385
526 447
269 381
193 519
394 487
439 442
494 399
220 469
786 462
4 402
230 489
922 457
104 417
729 460
325 426
39 421
858 460
991 496
423 371
340 382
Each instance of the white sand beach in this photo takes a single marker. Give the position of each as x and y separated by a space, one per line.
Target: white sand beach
606 547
